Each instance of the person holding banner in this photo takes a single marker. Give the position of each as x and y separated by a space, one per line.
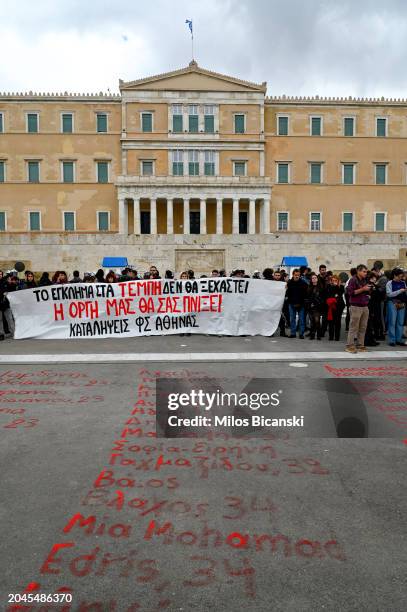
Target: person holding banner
276 276
7 287
29 282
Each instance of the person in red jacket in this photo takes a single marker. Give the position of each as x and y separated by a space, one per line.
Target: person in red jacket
336 305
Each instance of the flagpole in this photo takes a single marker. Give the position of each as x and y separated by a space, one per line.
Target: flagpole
192 44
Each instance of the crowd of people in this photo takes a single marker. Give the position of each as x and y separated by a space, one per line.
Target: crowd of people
371 303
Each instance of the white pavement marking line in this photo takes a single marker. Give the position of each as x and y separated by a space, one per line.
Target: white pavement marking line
200 357
298 364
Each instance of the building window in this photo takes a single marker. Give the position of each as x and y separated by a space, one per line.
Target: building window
178 163
380 174
101 122
193 163
209 119
177 118
380 222
103 221
2 171
34 219
282 126
69 221
194 222
315 222
349 126
1 122
146 122
282 221
209 164
68 172
193 118
145 222
381 126
348 174
147 168
315 172
243 224
3 224
316 126
239 168
239 124
347 222
67 123
282 173
102 172
33 171
32 123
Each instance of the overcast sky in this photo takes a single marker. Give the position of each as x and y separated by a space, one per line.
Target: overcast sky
308 47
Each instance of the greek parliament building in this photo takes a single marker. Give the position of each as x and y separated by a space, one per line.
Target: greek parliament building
195 169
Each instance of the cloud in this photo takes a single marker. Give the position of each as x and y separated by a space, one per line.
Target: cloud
300 48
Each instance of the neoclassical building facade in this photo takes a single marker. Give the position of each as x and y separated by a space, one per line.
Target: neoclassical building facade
195 169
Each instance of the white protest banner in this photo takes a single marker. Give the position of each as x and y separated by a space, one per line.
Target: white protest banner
230 306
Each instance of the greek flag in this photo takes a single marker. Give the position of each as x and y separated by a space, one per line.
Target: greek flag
189 22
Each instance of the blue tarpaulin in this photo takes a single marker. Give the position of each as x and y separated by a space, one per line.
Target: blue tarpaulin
295 262
114 262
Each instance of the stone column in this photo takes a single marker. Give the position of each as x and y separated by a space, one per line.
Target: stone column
252 216
136 212
219 216
235 220
202 225
123 225
266 216
186 217
153 216
170 216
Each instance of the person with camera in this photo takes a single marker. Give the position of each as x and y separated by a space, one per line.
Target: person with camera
358 290
396 307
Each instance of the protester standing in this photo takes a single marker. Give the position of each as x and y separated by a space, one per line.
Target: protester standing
358 291
110 277
8 287
314 302
44 280
296 295
373 330
322 282
335 306
268 274
76 277
396 305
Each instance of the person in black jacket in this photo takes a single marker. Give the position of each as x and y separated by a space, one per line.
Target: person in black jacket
296 296
8 287
314 304
29 282
44 280
374 324
335 305
323 282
